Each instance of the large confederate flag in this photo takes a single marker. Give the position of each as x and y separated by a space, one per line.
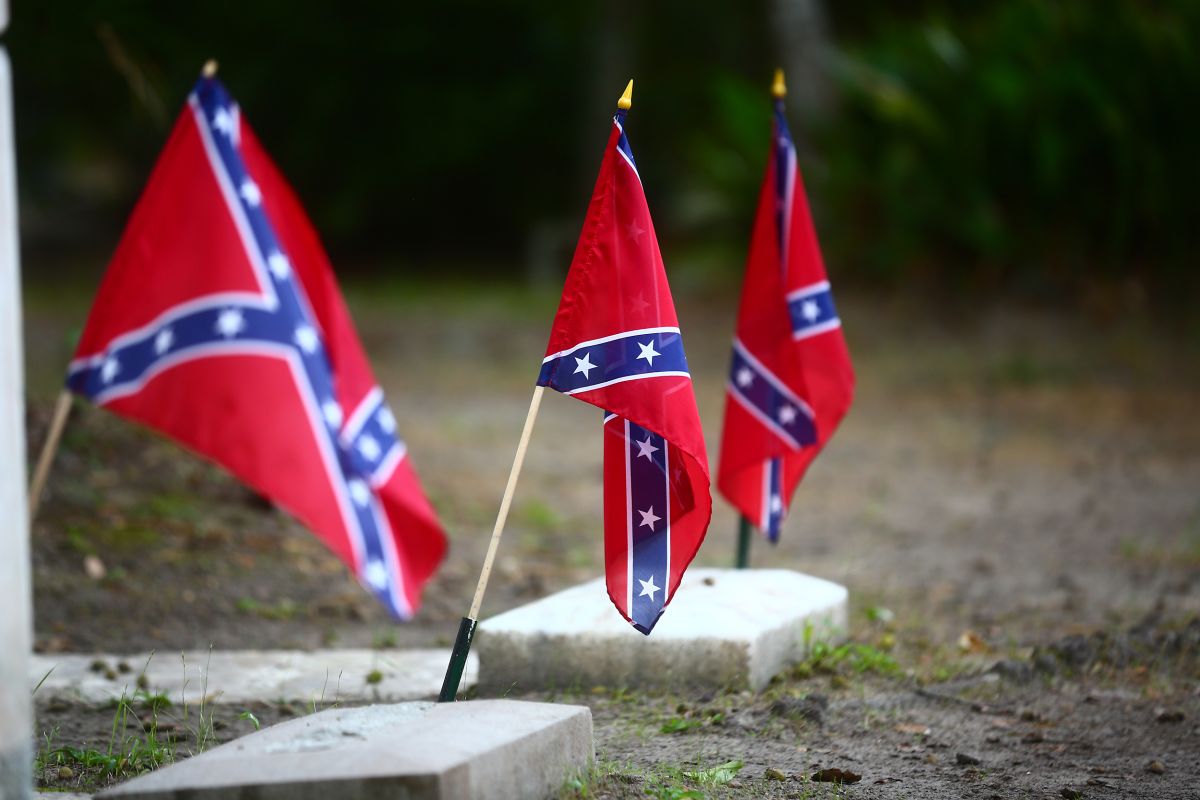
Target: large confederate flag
220 324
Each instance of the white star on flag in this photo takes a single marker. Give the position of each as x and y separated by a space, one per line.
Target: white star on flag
745 377
648 352
376 574
387 420
369 448
250 193
810 310
223 121
163 341
306 338
279 265
776 504
648 588
639 303
648 518
635 231
359 492
332 411
230 323
584 365
646 449
109 369
787 415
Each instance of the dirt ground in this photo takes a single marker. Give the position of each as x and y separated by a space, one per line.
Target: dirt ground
1009 484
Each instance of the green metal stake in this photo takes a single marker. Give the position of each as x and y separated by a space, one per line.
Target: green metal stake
743 545
458 660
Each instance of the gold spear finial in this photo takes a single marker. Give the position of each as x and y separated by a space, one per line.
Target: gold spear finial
779 88
210 68
627 98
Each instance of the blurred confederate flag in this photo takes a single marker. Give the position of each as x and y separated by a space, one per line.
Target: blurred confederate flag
220 324
790 380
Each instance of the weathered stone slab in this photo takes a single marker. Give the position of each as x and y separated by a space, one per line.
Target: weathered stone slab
475 749
246 675
724 628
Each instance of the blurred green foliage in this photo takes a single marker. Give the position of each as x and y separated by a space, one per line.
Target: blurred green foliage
1023 146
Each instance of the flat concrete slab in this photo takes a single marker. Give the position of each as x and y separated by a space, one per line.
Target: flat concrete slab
725 628
241 676
475 749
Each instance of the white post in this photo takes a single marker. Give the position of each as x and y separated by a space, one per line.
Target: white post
16 706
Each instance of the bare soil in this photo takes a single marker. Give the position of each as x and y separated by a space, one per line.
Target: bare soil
1006 480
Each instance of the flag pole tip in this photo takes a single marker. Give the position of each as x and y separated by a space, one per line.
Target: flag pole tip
210 68
627 98
778 87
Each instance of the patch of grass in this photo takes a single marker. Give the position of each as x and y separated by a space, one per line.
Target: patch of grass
662 781
681 725
849 657
126 756
383 640
539 516
718 775
280 611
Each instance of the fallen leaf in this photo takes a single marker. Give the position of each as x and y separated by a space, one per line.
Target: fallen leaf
835 775
773 774
972 642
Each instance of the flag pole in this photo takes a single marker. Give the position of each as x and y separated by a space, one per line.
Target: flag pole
745 534
62 409
466 628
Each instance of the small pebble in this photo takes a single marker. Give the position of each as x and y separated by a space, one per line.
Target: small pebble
1157 767
773 774
1070 794
966 760
65 773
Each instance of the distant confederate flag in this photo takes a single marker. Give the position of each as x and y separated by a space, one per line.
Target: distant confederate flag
220 324
616 344
790 381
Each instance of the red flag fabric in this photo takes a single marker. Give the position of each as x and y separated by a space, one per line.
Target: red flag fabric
616 344
219 323
791 380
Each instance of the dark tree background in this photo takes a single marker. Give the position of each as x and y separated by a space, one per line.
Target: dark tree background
1030 147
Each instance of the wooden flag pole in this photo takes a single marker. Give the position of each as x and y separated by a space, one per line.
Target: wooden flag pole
466 629
62 410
